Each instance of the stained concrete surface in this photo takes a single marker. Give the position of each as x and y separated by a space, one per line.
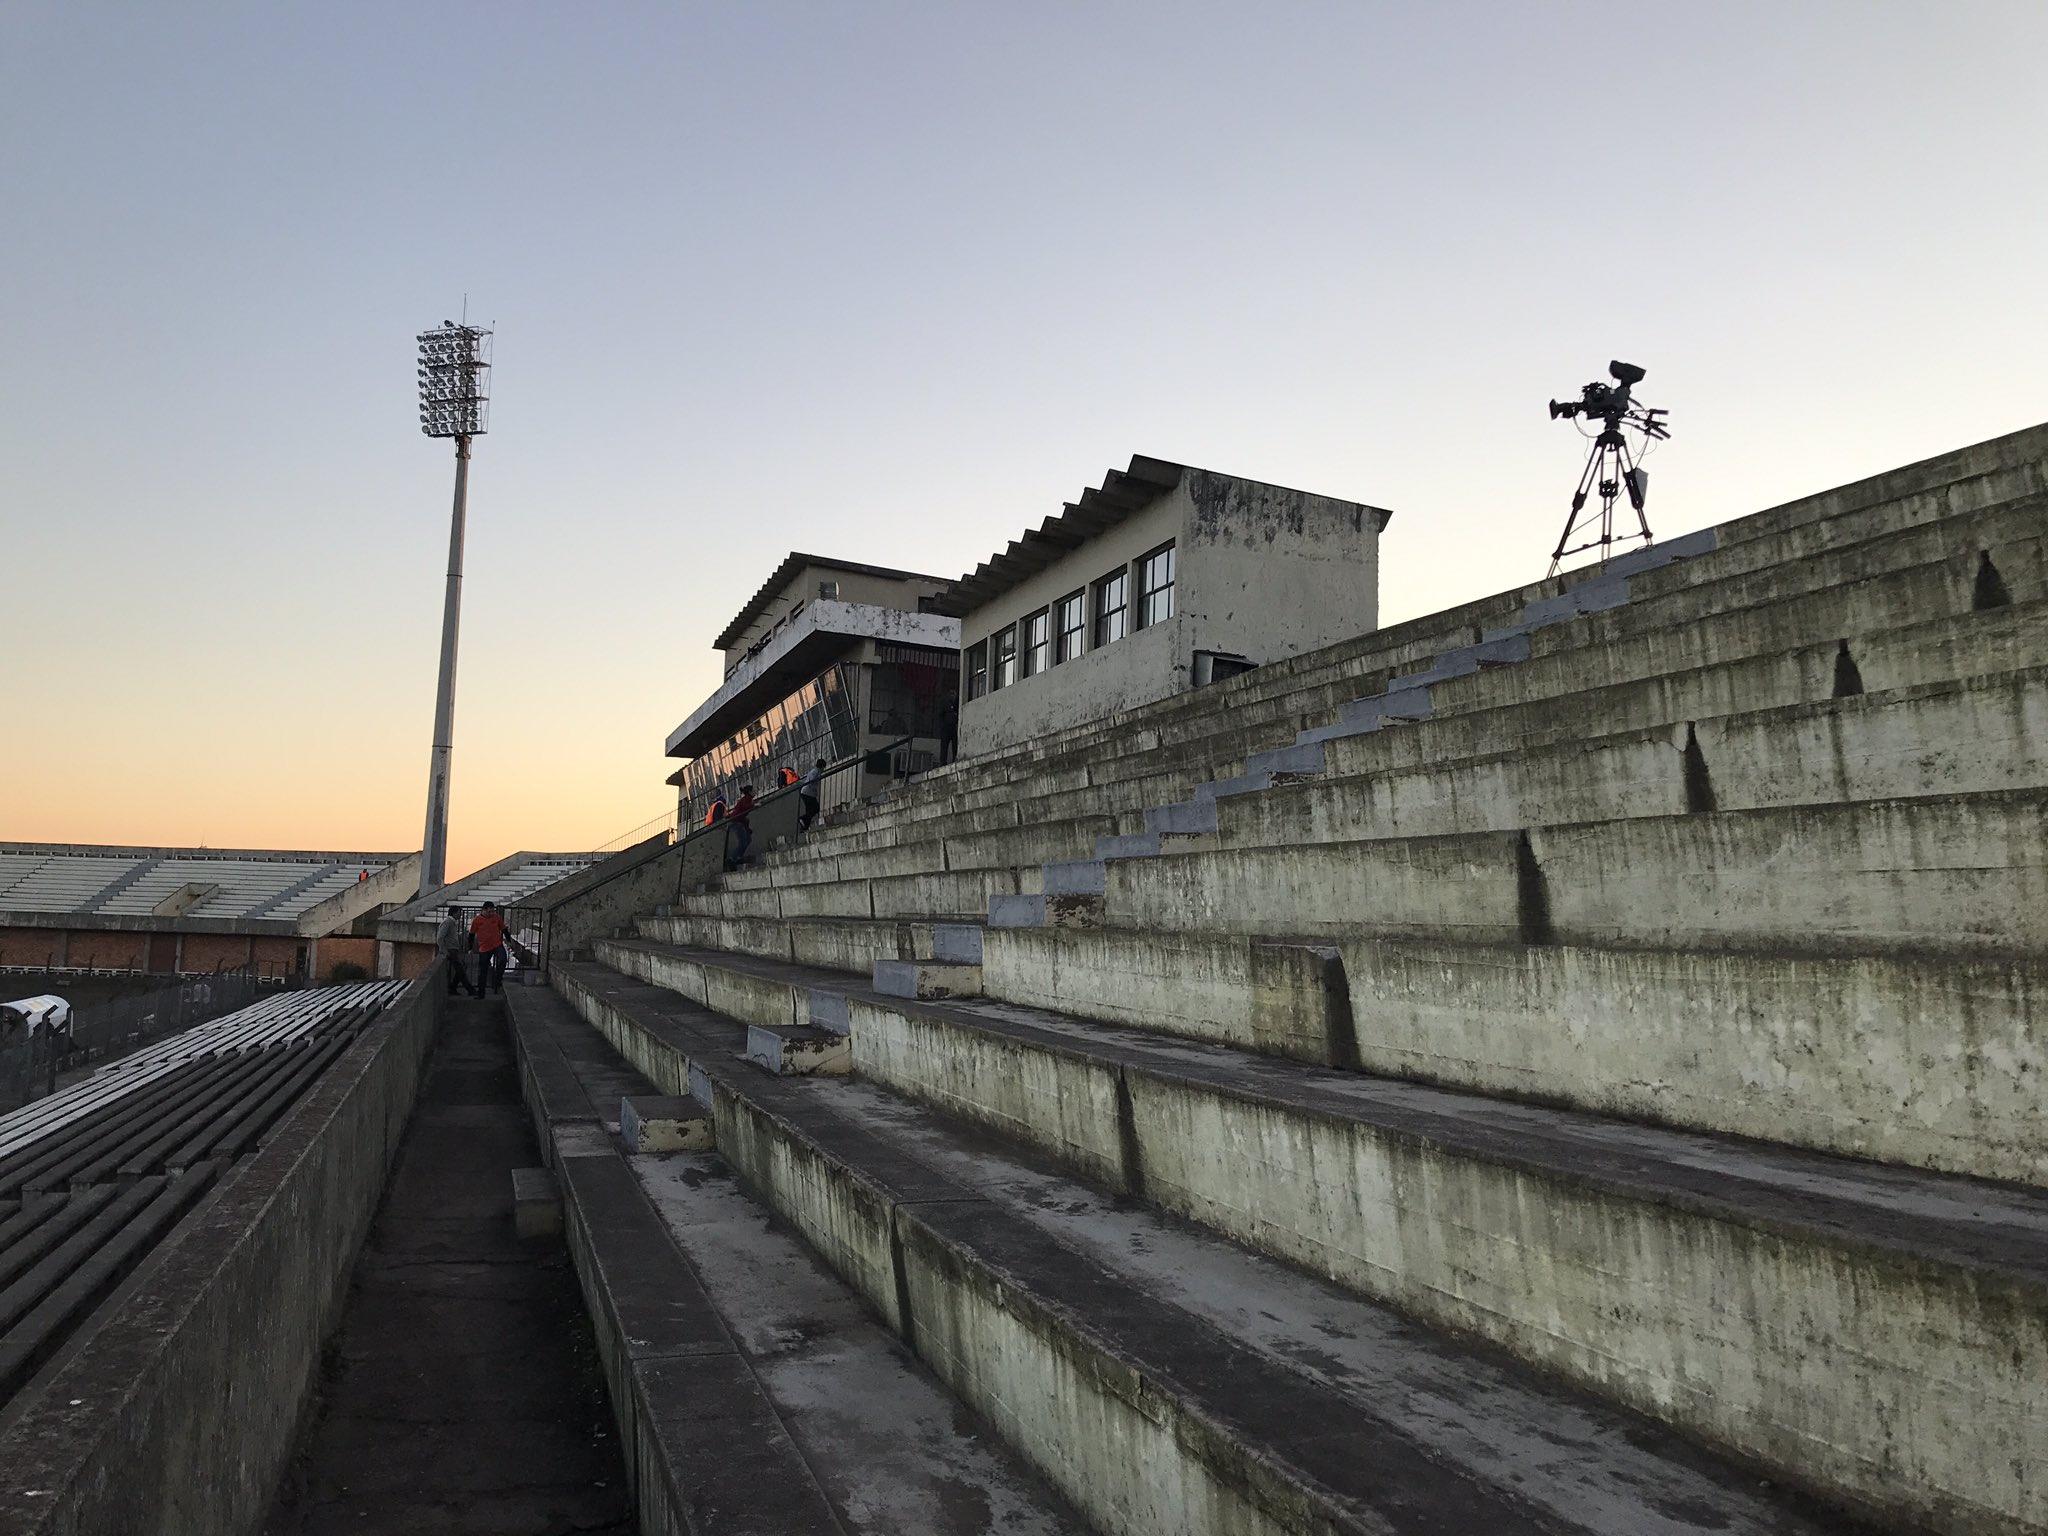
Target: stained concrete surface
462 1393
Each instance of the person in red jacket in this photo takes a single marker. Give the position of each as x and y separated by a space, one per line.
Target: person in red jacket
488 928
743 828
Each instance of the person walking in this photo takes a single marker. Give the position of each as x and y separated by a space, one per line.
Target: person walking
807 795
489 928
452 940
740 816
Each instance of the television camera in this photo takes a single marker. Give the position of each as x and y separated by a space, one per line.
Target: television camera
1613 465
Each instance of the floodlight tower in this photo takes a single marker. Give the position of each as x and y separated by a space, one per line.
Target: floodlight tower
454 402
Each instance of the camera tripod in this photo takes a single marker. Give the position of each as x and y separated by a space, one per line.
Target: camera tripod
1611 468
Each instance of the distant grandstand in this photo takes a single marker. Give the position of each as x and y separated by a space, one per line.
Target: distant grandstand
516 883
180 911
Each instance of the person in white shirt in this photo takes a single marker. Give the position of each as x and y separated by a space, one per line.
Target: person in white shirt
807 795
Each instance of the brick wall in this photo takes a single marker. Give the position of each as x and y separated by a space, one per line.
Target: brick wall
216 951
102 951
334 951
31 946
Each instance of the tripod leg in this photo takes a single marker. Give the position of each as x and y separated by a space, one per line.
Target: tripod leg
1635 498
1571 522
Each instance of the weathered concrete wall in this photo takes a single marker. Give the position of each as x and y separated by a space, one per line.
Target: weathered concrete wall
176 1413
1905 1061
390 885
1922 1063
1904 1378
1270 573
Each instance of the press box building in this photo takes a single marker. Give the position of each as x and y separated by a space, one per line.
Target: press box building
1163 578
829 659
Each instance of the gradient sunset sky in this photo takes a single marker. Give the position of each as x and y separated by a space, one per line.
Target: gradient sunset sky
891 282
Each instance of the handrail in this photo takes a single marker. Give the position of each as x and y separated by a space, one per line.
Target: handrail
683 838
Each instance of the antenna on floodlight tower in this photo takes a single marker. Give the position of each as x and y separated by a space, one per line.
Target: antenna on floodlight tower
454 402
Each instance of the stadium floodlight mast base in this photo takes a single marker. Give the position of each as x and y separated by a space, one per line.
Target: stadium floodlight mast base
454 402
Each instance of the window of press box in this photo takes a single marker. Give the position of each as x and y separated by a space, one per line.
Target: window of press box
1155 587
1037 643
1003 657
1112 607
977 670
1072 627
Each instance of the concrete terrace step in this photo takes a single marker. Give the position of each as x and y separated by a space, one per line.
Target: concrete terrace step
755 1396
1964 737
829 943
1960 875
1654 1266
1169 1381
950 896
1644 602
1976 642
1813 674
1953 646
1909 1060
1950 582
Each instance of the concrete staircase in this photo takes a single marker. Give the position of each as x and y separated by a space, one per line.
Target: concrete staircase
1569 1064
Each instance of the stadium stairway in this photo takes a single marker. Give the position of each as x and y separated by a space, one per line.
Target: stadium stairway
1568 1064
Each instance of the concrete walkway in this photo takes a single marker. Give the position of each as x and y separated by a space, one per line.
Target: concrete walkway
462 1393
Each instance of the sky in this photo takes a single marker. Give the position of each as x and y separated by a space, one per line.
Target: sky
892 282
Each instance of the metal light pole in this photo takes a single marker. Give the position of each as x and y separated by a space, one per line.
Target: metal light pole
453 403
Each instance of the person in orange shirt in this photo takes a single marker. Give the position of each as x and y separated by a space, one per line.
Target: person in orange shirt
488 927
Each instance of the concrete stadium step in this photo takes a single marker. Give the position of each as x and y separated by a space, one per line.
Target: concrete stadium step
1573 659
2000 636
1169 1380
1072 836
1478 686
950 896
2009 528
1809 673
1655 1266
754 1394
1957 875
828 943
1970 736
1948 648
1902 1059
1983 474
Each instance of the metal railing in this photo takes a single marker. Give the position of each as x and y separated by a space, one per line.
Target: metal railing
99 1032
666 822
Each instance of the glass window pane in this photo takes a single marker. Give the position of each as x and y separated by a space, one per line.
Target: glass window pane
1112 607
1037 643
1073 625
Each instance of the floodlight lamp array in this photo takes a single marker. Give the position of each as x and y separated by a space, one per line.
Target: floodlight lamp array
454 360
